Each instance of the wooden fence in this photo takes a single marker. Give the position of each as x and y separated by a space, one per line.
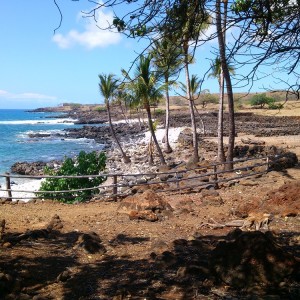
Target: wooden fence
179 179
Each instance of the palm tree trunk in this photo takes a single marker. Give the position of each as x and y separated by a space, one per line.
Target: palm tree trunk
150 123
222 50
125 157
191 106
168 148
139 119
221 154
150 152
123 113
201 120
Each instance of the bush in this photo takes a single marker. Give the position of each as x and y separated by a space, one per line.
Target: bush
275 106
207 98
85 164
100 108
159 112
261 100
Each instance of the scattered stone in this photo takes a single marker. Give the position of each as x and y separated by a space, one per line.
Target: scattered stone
55 223
6 245
185 137
148 200
33 168
211 197
283 161
213 201
64 276
249 141
91 243
146 215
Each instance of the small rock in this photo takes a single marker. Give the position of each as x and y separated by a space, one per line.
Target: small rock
55 223
147 215
64 276
91 243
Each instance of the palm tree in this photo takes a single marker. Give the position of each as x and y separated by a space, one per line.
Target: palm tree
217 73
195 88
221 28
188 19
120 99
167 57
108 86
130 96
146 88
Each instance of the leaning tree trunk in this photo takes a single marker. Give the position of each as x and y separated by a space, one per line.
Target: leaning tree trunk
227 79
191 106
200 118
125 157
123 113
168 148
139 119
150 123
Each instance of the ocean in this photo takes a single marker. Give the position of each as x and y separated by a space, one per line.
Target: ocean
16 145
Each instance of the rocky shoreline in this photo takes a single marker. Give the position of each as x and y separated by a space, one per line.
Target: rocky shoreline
133 138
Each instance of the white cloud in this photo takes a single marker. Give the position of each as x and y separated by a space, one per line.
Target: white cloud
92 36
8 95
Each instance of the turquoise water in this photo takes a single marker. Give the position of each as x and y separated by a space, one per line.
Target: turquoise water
16 145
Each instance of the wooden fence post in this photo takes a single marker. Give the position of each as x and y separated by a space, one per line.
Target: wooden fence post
216 177
177 181
8 187
115 187
267 164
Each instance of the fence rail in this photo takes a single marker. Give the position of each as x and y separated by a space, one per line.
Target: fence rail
170 181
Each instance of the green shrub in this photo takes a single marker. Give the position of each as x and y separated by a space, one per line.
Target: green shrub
207 98
275 106
85 164
72 104
261 100
159 112
100 108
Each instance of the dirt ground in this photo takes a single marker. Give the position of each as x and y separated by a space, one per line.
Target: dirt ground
50 250
48 258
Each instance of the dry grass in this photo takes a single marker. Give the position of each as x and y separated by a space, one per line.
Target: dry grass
291 108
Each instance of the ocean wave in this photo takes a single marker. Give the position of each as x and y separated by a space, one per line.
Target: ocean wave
39 122
51 131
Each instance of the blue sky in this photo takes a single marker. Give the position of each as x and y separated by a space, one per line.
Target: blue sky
38 68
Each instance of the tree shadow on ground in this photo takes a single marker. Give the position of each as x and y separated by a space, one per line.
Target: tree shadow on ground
122 239
52 268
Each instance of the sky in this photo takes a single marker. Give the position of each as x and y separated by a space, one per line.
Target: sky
40 68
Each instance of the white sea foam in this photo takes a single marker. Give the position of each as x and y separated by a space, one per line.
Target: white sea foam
63 121
52 132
